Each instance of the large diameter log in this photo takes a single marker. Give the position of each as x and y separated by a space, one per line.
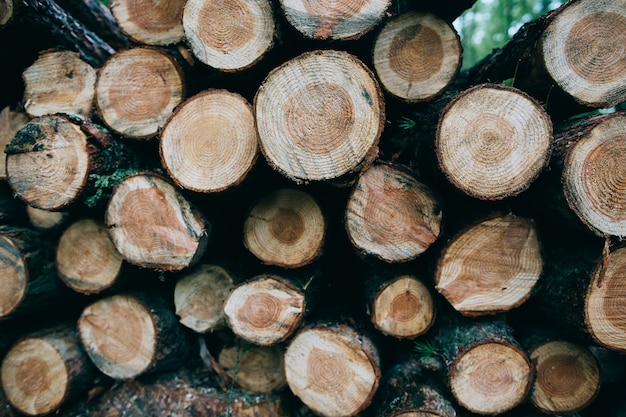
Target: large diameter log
153 226
149 22
127 335
137 89
593 170
333 369
416 56
210 142
492 141
265 310
86 259
392 216
339 20
490 267
59 82
10 122
229 35
320 116
41 372
285 228
199 297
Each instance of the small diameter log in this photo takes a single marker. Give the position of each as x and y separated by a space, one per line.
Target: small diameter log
43 371
492 141
86 259
210 142
199 297
581 49
13 211
149 22
391 215
255 369
45 219
488 372
285 228
593 170
333 369
59 82
137 89
568 377
229 35
265 310
320 116
400 305
490 267
127 335
334 20
153 226
416 56
7 11
410 389
10 122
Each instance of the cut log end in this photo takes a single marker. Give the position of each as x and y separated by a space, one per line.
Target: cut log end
7 11
59 82
10 123
286 228
46 219
592 177
404 308
319 115
265 310
48 162
568 377
210 143
491 378
416 56
86 259
149 22
493 141
153 226
330 370
391 215
491 267
119 335
571 48
229 36
199 298
137 89
14 277
255 369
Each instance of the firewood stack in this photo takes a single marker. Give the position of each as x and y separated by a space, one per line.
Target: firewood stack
296 208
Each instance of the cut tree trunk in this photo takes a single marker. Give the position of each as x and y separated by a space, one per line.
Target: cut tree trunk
210 142
231 35
320 116
127 335
199 297
286 228
490 267
488 371
340 20
43 371
153 226
137 89
492 141
333 368
392 216
46 220
416 56
399 304
86 259
266 310
149 22
59 82
10 122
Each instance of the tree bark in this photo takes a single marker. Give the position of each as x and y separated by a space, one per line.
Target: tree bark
153 226
128 335
333 369
45 370
416 56
320 116
148 22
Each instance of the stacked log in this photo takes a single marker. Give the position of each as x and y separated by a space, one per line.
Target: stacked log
284 208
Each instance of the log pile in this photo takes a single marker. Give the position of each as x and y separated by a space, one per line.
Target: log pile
286 208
